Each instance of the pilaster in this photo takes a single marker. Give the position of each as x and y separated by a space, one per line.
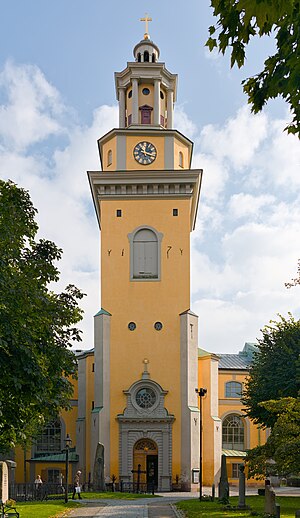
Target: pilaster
122 107
135 101
189 405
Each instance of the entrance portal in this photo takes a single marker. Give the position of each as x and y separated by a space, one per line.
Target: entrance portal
145 453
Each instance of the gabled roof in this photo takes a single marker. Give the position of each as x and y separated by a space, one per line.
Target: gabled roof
240 361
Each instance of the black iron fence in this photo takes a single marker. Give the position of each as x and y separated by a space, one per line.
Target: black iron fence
31 491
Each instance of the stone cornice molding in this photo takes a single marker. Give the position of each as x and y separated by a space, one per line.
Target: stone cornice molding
146 419
145 72
159 184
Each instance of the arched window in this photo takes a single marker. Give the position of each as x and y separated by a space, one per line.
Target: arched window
180 159
139 57
233 389
153 58
49 441
145 254
146 56
233 433
109 157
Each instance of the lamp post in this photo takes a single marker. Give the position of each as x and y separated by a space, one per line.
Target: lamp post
68 443
201 393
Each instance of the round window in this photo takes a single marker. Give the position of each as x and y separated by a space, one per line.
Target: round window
158 326
146 91
145 397
131 326
162 95
130 93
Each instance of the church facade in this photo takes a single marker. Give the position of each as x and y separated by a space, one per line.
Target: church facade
135 406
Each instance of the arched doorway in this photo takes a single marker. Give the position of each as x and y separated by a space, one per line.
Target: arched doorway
145 455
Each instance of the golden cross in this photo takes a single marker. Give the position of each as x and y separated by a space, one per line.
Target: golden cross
146 19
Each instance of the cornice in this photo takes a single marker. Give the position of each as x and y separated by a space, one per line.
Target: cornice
146 419
139 184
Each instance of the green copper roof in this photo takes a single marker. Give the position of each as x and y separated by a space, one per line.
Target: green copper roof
103 312
234 453
58 457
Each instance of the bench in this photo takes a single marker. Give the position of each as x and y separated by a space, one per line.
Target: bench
6 511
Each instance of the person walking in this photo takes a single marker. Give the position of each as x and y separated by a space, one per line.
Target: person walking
76 488
38 486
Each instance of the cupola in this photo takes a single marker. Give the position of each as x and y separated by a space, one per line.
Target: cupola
145 89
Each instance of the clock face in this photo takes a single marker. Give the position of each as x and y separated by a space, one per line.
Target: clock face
144 153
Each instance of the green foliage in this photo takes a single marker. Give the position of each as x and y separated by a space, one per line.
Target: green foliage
275 372
283 444
237 22
36 324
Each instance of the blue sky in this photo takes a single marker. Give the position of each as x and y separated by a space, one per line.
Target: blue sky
57 97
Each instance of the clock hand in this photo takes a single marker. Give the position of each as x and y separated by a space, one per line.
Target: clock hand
146 153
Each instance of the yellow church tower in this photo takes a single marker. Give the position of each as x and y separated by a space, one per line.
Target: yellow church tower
146 352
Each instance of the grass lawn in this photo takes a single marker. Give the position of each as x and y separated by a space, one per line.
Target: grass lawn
45 509
195 509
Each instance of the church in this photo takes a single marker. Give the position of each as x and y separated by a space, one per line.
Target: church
135 400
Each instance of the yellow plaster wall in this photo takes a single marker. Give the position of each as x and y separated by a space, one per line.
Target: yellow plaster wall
110 144
158 142
145 302
146 99
254 435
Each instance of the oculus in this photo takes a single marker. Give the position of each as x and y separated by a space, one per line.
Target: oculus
145 397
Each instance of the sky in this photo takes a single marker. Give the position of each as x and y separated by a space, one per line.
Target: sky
57 97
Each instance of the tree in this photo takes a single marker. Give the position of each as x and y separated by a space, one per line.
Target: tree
283 444
36 324
240 20
296 280
275 371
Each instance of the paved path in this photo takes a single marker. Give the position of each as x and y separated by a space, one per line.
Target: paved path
142 508
161 507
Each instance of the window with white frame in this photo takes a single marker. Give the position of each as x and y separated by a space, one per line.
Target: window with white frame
233 389
233 433
49 441
235 469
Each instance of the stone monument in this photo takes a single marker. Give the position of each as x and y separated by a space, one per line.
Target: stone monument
270 504
223 484
242 488
98 475
3 481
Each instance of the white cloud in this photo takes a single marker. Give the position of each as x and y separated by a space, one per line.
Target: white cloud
183 123
33 107
238 140
56 178
243 205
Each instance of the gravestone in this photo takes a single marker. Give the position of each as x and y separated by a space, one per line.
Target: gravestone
270 504
242 488
3 481
223 484
98 474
